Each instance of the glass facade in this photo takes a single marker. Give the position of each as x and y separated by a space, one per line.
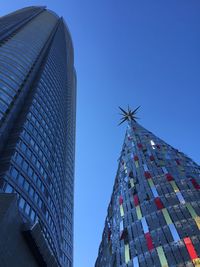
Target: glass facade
153 217
37 112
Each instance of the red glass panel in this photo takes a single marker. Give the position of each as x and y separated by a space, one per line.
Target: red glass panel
152 158
120 200
169 177
158 203
139 145
190 248
136 158
136 200
195 184
149 241
147 175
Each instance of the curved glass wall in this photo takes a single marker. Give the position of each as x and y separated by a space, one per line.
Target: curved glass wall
25 47
16 19
38 161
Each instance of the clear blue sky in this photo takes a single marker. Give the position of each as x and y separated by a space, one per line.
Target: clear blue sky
136 52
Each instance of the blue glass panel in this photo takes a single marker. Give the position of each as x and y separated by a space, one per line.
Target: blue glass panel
174 232
144 225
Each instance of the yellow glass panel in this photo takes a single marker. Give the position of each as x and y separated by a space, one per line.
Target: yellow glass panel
121 210
191 210
139 213
132 182
150 182
173 184
196 262
166 215
127 254
197 220
162 257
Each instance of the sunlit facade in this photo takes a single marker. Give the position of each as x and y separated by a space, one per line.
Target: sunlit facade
153 216
37 122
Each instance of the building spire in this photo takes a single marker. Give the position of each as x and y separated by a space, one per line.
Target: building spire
128 115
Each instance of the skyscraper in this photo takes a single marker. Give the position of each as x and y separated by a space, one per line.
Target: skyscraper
37 122
153 215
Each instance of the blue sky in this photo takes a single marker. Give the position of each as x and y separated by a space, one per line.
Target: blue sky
126 52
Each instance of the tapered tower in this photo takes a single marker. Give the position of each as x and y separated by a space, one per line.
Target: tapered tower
153 216
37 123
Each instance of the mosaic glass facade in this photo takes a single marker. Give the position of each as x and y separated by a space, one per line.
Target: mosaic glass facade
153 217
37 123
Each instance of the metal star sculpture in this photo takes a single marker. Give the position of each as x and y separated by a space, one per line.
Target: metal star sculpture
128 115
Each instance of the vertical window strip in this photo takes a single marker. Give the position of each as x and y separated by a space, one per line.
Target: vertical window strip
136 200
121 210
158 203
193 214
149 241
180 197
136 164
138 212
174 232
177 192
132 182
191 250
127 253
174 186
195 184
153 188
135 262
166 216
125 168
144 225
162 257
136 159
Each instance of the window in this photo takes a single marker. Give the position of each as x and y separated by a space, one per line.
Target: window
36 197
152 144
26 186
21 203
23 147
27 209
19 159
25 165
30 172
8 189
31 192
14 173
39 183
21 180
32 215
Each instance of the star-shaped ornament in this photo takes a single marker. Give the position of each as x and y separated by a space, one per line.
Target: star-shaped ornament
128 115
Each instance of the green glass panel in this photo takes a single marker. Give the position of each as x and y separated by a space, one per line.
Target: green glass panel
127 255
166 215
121 211
150 182
191 210
138 211
174 186
162 257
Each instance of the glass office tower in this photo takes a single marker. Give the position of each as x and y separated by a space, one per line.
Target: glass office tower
153 217
37 122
